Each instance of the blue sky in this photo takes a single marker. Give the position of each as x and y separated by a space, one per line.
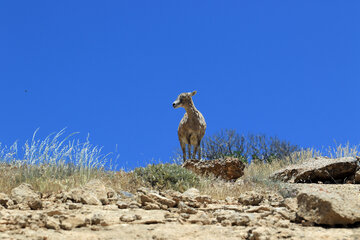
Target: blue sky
113 69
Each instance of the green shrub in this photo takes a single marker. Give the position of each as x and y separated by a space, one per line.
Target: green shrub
167 176
248 148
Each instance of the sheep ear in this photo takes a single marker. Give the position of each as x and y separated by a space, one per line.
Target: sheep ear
193 93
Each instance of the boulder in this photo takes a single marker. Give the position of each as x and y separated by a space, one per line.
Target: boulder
103 193
79 195
191 193
319 169
71 222
183 208
251 198
228 168
357 177
5 201
24 194
328 208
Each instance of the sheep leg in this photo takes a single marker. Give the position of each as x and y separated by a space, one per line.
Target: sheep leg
189 149
195 150
183 148
199 151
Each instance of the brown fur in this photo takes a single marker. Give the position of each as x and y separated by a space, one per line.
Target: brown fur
192 126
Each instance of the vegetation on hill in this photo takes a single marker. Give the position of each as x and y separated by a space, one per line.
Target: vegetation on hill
59 163
251 147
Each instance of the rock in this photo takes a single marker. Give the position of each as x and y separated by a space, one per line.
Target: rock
357 177
250 198
183 208
228 168
55 213
26 195
229 200
122 205
260 233
283 224
130 218
96 219
191 193
35 204
162 200
319 169
328 208
204 199
101 192
52 223
151 206
201 218
184 215
111 207
72 222
134 205
90 199
231 218
290 204
152 200
239 220
146 199
79 195
5 201
93 193
285 214
259 209
73 206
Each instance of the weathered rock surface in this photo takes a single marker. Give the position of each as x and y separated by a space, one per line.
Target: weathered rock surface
319 170
5 200
357 177
93 193
228 168
26 195
250 198
190 215
328 208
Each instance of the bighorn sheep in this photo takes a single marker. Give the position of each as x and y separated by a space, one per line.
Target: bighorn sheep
192 126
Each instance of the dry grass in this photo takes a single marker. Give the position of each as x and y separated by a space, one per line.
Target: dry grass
220 189
260 172
53 164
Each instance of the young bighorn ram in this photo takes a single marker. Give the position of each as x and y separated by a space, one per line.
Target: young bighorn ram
192 126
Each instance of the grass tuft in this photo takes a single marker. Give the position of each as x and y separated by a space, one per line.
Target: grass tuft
55 163
167 176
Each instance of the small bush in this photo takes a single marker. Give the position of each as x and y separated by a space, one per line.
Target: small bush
167 176
247 148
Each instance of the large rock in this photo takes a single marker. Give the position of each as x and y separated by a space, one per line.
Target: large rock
79 195
357 177
228 168
102 192
5 201
328 208
93 193
319 169
26 195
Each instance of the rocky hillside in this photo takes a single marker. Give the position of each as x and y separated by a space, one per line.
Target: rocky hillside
303 209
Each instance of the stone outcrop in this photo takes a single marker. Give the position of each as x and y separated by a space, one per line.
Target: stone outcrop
24 194
228 168
93 193
328 208
150 214
320 170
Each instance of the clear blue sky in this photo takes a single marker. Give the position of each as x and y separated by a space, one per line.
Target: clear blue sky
113 69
